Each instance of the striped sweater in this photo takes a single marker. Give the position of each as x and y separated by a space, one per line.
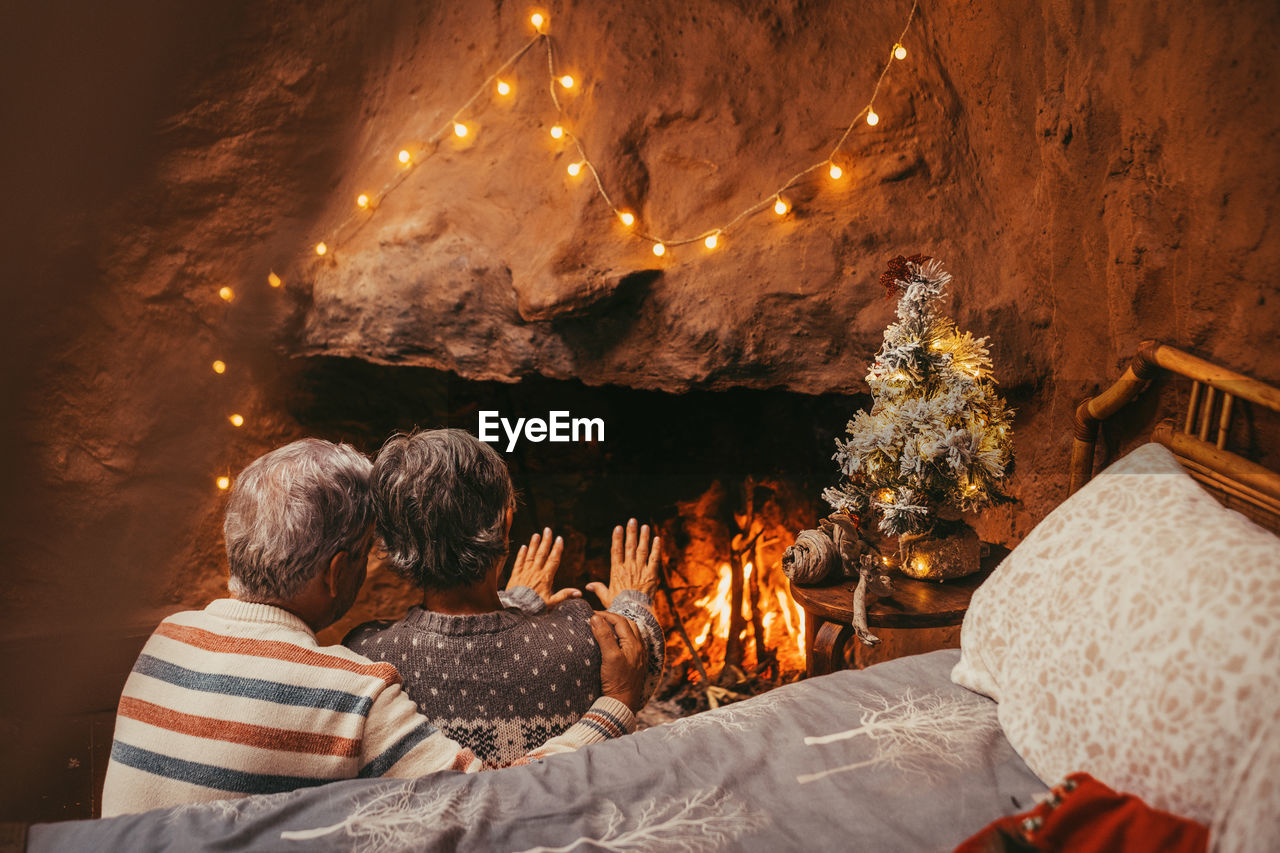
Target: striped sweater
240 699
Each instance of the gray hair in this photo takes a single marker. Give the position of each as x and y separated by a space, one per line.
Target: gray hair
441 498
290 512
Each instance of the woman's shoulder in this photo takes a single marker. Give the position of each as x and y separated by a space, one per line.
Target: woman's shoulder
369 633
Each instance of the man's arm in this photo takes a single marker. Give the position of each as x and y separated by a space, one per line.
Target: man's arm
400 742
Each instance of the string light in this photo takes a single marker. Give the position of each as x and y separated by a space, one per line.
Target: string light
628 218
219 367
558 81
227 294
224 483
556 131
659 249
362 201
236 420
712 241
321 248
274 280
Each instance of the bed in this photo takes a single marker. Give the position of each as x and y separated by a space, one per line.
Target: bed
1134 635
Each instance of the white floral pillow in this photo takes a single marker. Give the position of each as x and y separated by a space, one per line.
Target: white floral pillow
1135 635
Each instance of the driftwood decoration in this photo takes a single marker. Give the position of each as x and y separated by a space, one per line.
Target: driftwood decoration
837 549
811 559
873 584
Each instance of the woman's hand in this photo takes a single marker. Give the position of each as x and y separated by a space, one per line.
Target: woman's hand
536 565
634 563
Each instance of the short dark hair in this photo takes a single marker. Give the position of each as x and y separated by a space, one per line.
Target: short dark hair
289 513
440 498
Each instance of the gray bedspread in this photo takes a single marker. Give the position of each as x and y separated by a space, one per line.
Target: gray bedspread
894 757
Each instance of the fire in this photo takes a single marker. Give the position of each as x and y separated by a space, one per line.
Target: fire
783 625
716 607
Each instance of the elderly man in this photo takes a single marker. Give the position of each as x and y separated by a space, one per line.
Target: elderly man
498 671
239 698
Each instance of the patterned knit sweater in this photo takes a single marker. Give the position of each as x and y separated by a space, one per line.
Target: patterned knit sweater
501 682
240 699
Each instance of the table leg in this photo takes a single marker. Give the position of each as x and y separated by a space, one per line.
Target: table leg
826 652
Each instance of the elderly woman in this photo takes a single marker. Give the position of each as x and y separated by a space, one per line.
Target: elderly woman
500 671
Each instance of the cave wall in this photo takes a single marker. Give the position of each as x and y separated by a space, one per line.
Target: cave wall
1093 174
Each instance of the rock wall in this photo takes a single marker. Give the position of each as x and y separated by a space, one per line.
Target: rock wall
1093 173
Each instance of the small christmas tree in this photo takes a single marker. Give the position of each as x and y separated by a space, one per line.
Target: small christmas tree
938 438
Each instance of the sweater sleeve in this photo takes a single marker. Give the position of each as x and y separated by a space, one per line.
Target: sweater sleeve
400 742
607 718
637 607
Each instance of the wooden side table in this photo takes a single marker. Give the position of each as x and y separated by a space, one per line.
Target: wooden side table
828 610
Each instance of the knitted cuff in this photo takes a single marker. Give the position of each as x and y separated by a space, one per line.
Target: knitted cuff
607 718
633 595
522 597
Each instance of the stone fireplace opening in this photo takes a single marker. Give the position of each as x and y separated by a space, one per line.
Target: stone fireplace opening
726 478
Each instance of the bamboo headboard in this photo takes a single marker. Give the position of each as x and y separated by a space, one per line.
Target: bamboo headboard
1200 444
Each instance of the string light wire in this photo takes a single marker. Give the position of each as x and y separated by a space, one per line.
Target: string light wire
554 80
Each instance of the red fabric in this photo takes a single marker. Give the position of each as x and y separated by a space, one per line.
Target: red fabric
1082 815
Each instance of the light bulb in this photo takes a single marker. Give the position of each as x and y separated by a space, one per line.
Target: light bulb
899 52
567 81
556 131
224 483
227 294
459 129
362 201
780 207
711 241
504 88
659 249
321 248
537 19
404 156
219 367
575 169
872 118
628 219
836 172
274 280
236 420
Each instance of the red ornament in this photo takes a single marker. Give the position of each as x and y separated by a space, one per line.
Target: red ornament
899 271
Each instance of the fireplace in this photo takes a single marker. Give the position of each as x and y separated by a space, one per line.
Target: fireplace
726 477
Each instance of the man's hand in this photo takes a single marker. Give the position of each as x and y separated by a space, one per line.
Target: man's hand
622 663
536 565
634 564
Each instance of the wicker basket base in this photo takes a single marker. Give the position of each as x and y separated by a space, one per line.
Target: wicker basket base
951 550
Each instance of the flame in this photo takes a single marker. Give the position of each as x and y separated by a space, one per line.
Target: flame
716 607
782 620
